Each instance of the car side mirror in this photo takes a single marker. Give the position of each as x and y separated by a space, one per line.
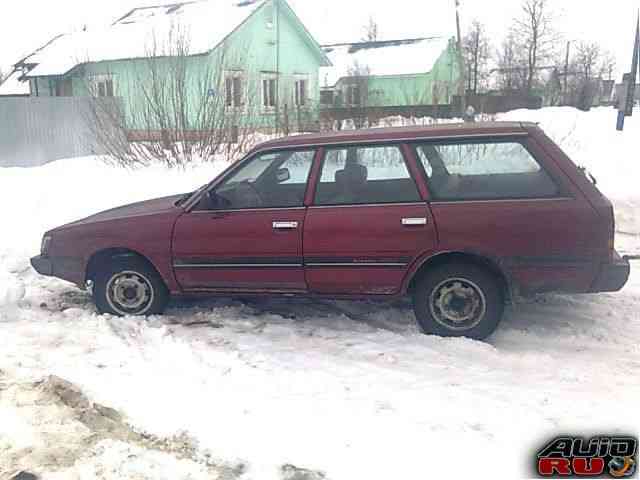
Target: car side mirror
211 201
282 175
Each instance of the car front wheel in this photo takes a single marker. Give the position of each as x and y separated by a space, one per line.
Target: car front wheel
459 300
129 286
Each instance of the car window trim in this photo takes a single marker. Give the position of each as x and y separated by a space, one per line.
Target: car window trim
419 203
390 143
502 200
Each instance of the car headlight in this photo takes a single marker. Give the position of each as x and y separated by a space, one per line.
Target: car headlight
44 246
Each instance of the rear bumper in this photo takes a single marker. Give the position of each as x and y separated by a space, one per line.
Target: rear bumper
613 276
43 265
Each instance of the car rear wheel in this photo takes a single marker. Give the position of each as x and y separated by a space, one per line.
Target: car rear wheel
459 300
129 286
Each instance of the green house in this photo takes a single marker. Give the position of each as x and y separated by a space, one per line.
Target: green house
391 74
253 62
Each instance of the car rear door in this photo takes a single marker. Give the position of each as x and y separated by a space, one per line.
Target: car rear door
368 221
501 199
250 238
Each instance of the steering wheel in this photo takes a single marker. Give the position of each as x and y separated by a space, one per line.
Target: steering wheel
249 195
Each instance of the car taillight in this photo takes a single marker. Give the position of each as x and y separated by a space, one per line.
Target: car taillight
44 245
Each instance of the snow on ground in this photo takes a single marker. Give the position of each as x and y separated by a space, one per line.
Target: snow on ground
345 389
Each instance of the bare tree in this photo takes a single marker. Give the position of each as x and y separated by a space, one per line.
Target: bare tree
588 59
371 31
535 36
607 64
184 109
476 51
589 66
510 65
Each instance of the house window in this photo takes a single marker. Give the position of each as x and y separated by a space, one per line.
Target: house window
301 92
326 98
233 90
103 86
269 89
353 95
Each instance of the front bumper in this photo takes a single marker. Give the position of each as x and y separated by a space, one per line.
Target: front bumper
43 265
613 276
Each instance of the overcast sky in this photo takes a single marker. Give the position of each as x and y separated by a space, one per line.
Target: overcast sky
27 24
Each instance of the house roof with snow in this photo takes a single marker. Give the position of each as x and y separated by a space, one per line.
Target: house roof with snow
381 58
205 24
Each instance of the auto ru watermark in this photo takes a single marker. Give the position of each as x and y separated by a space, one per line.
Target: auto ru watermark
603 456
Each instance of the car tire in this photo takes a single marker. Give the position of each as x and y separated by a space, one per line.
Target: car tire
129 286
459 300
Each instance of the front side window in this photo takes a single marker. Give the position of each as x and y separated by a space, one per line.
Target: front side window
269 180
365 175
484 171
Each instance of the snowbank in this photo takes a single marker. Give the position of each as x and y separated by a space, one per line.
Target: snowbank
11 290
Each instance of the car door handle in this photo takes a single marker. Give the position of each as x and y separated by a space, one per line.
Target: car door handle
285 225
413 222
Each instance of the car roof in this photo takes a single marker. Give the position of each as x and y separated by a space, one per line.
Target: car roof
374 135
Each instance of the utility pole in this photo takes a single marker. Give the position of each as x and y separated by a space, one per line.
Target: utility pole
566 73
631 91
276 5
628 100
461 92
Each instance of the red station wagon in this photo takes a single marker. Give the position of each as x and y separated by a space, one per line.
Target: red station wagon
463 217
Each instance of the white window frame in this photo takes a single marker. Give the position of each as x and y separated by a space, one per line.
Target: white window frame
269 77
233 74
296 82
97 80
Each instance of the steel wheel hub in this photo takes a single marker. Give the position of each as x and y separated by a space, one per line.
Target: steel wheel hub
129 293
458 304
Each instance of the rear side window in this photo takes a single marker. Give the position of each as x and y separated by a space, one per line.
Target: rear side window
484 171
365 175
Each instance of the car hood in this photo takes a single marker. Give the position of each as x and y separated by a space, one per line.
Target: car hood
148 207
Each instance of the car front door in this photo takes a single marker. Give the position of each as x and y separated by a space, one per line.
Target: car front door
368 222
245 235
